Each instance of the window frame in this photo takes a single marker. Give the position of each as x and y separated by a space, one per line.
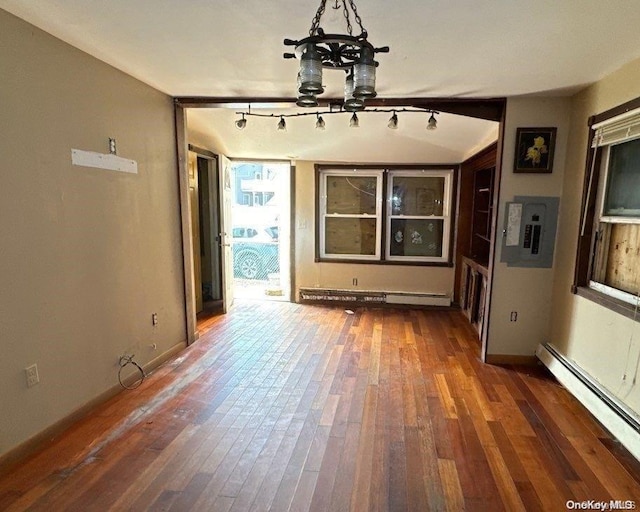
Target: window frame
361 173
592 217
449 171
445 217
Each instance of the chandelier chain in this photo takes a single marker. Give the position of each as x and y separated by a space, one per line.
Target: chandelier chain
315 24
346 17
316 20
357 16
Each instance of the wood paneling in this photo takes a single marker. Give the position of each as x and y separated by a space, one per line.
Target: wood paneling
291 407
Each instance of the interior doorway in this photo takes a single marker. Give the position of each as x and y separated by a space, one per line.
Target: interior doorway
204 199
261 234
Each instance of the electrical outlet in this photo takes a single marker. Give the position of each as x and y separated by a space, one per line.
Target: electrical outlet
355 281
32 375
514 316
154 318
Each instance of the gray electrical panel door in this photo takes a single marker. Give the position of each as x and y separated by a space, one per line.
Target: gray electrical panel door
529 235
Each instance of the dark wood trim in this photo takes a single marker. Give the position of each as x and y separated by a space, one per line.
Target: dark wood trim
586 239
588 204
205 153
387 262
615 111
481 108
602 299
497 179
185 224
259 160
318 168
483 159
388 167
292 231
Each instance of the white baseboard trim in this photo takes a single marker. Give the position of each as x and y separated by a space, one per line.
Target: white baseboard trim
622 422
331 295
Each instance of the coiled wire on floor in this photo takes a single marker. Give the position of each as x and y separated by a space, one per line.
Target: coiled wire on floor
124 362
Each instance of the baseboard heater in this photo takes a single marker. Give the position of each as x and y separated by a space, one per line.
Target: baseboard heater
324 295
621 421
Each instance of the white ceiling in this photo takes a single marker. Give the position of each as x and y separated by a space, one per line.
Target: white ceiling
439 48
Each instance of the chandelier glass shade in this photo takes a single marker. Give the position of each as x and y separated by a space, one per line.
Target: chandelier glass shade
352 54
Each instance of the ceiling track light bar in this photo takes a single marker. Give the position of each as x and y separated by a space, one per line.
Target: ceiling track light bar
329 112
432 123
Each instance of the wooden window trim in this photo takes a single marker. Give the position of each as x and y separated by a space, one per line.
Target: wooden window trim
585 247
400 167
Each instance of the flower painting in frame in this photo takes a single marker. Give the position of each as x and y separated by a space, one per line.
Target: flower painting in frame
534 150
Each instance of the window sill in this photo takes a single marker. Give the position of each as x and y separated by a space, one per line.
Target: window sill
386 262
604 300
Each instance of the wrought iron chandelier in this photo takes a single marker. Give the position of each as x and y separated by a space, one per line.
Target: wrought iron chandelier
352 54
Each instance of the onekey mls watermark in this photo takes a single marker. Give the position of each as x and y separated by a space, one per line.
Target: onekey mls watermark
601 505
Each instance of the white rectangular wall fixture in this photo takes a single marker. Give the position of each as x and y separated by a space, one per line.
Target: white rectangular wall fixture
103 161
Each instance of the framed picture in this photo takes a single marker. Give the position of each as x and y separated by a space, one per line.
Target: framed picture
534 150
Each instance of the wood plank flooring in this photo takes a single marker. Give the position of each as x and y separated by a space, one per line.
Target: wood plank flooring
283 407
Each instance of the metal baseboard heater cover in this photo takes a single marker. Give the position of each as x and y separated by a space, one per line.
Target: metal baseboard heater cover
373 297
621 421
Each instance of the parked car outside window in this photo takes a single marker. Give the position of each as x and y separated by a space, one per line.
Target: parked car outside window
255 251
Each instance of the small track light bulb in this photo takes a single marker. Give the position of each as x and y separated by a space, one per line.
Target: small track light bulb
241 123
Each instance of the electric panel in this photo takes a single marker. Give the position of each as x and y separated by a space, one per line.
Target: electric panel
528 238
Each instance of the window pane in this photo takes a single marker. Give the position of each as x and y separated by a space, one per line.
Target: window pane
416 237
350 236
417 195
622 260
351 194
623 189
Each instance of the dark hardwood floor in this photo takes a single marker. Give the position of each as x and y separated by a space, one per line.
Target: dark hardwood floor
286 407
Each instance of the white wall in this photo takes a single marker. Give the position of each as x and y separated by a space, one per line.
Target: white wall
525 290
87 254
603 343
405 278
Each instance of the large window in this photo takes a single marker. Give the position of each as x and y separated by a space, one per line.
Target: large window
611 218
414 215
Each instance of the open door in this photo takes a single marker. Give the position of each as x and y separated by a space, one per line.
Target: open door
224 237
194 207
